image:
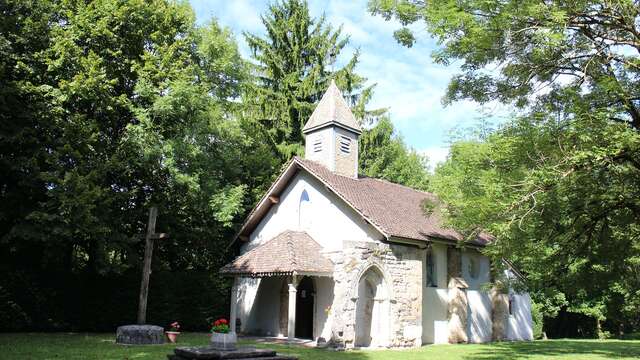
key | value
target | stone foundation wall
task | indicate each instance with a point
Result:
(401, 267)
(499, 314)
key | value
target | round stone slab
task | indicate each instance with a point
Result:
(140, 335)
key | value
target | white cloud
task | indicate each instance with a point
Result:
(436, 155)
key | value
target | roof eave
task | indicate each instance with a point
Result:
(408, 241)
(331, 123)
(265, 204)
(435, 239)
(276, 273)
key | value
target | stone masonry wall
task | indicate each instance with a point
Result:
(346, 164)
(401, 267)
(499, 314)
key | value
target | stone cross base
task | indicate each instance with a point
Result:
(209, 353)
(140, 335)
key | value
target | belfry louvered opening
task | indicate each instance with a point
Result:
(317, 144)
(345, 144)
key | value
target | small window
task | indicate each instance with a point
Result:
(345, 144)
(432, 281)
(473, 268)
(511, 304)
(317, 144)
(304, 216)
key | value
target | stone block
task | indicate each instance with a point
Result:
(140, 335)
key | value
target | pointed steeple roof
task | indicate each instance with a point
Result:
(332, 110)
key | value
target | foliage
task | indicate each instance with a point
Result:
(53, 302)
(108, 108)
(558, 185)
(384, 155)
(294, 64)
(538, 320)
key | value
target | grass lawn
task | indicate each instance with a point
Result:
(102, 346)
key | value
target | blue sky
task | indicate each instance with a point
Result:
(408, 82)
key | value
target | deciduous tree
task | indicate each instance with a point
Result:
(559, 184)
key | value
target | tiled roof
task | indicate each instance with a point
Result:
(332, 110)
(291, 252)
(394, 209)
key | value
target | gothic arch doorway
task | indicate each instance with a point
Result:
(305, 301)
(372, 310)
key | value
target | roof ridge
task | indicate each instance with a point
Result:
(291, 249)
(369, 177)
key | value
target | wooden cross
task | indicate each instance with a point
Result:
(146, 268)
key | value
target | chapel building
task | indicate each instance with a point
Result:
(344, 259)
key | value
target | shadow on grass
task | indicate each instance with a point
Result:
(308, 353)
(613, 349)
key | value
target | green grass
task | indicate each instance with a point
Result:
(102, 346)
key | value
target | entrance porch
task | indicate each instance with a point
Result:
(282, 288)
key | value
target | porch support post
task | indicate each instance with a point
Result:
(234, 305)
(291, 328)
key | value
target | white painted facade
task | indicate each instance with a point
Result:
(520, 324)
(325, 217)
(435, 300)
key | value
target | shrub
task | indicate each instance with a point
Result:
(538, 320)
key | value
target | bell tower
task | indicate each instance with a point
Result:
(331, 134)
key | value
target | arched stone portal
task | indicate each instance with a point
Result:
(372, 310)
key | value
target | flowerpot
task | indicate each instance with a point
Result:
(224, 341)
(172, 335)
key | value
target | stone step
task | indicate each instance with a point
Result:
(209, 353)
(277, 357)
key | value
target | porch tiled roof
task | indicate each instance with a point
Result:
(291, 252)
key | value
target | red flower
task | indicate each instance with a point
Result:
(223, 321)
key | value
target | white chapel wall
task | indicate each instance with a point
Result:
(520, 323)
(323, 301)
(479, 323)
(476, 271)
(327, 219)
(435, 300)
(259, 305)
